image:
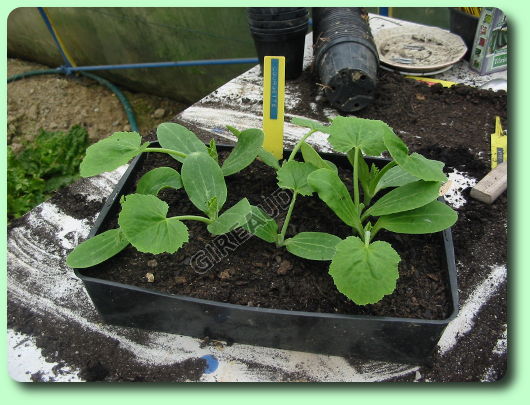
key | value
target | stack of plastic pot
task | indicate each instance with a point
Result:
(345, 56)
(465, 25)
(280, 31)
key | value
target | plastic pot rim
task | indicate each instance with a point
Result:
(272, 10)
(321, 50)
(280, 37)
(279, 24)
(277, 17)
(461, 13)
(274, 31)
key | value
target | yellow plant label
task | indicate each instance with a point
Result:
(499, 145)
(273, 104)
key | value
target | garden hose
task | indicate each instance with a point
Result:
(121, 97)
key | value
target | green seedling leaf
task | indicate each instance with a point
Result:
(234, 131)
(212, 150)
(176, 137)
(293, 176)
(157, 179)
(313, 245)
(203, 180)
(213, 208)
(433, 217)
(334, 193)
(97, 249)
(415, 164)
(247, 148)
(347, 133)
(363, 170)
(234, 217)
(375, 173)
(394, 177)
(268, 158)
(304, 122)
(331, 166)
(367, 175)
(312, 157)
(364, 273)
(432, 169)
(111, 153)
(261, 225)
(144, 223)
(405, 198)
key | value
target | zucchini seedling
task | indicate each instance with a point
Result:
(292, 175)
(363, 269)
(143, 220)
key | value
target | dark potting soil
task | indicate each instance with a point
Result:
(95, 354)
(448, 117)
(240, 269)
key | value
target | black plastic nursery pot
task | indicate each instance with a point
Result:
(348, 69)
(278, 25)
(346, 57)
(290, 45)
(302, 26)
(280, 31)
(406, 340)
(275, 13)
(275, 21)
(465, 25)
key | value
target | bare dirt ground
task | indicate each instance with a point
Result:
(56, 103)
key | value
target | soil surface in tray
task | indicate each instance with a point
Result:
(244, 270)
